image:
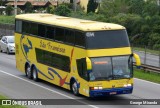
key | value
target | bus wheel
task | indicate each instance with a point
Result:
(35, 74)
(75, 88)
(28, 71)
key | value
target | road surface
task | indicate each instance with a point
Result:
(15, 85)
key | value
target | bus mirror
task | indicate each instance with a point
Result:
(89, 65)
(137, 59)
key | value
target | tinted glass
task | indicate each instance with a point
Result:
(52, 59)
(121, 67)
(50, 32)
(41, 30)
(25, 27)
(107, 39)
(108, 68)
(101, 68)
(70, 37)
(60, 35)
(79, 39)
(82, 68)
(33, 29)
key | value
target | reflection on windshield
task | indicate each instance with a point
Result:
(11, 40)
(107, 68)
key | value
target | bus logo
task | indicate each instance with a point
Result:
(90, 34)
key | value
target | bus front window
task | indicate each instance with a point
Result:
(108, 68)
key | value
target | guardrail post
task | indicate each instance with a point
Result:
(145, 54)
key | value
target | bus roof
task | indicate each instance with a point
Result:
(73, 23)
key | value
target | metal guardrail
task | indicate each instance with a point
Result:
(150, 68)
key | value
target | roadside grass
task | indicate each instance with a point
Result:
(7, 19)
(156, 52)
(9, 106)
(149, 76)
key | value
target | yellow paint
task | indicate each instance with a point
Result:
(89, 64)
(137, 58)
(70, 22)
(109, 52)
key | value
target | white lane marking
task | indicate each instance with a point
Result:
(147, 81)
(47, 88)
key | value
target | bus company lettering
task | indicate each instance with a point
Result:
(51, 47)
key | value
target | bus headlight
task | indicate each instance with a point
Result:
(127, 85)
(96, 88)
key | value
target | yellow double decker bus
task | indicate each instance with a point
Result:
(87, 57)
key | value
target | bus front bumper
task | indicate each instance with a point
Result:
(109, 92)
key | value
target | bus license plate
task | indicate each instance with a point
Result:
(113, 93)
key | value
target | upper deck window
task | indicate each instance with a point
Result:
(107, 39)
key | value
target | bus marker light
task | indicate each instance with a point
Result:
(129, 85)
(100, 88)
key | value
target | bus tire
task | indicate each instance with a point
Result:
(35, 74)
(75, 89)
(28, 71)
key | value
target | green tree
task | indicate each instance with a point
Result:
(136, 6)
(50, 9)
(63, 10)
(92, 6)
(28, 8)
(113, 7)
(9, 10)
(151, 8)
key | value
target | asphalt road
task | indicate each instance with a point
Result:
(15, 85)
(150, 59)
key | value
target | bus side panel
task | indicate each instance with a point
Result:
(20, 59)
(79, 53)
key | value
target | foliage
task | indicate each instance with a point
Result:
(63, 10)
(92, 6)
(9, 10)
(7, 19)
(50, 9)
(29, 8)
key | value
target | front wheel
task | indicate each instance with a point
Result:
(35, 74)
(75, 89)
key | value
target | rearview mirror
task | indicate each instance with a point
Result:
(137, 60)
(89, 65)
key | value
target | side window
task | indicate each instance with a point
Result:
(59, 35)
(79, 39)
(41, 30)
(70, 37)
(18, 26)
(25, 27)
(82, 68)
(33, 29)
(48, 58)
(52, 59)
(40, 55)
(50, 32)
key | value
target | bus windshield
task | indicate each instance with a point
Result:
(107, 39)
(108, 68)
